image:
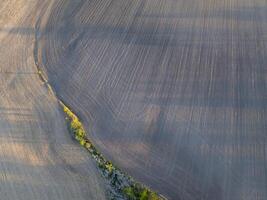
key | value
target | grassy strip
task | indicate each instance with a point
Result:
(122, 184)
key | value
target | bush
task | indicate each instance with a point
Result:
(82, 142)
(138, 192)
(128, 191)
(88, 145)
(144, 195)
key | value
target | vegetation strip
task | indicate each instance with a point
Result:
(121, 186)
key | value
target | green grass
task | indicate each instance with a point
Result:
(138, 192)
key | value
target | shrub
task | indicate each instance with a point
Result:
(82, 142)
(88, 145)
(128, 191)
(144, 195)
(138, 192)
(109, 167)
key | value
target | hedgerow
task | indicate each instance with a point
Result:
(123, 184)
(125, 187)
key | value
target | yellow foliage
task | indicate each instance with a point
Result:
(75, 124)
(109, 167)
(82, 142)
(88, 145)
